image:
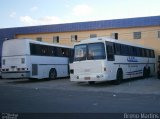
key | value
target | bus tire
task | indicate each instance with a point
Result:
(31, 79)
(144, 72)
(119, 77)
(91, 82)
(52, 74)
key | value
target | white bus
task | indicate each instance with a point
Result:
(26, 58)
(104, 59)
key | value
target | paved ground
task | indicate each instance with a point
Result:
(132, 86)
(63, 96)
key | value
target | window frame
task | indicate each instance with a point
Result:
(93, 35)
(39, 39)
(74, 38)
(114, 36)
(137, 35)
(110, 47)
(55, 39)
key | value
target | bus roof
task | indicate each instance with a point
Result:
(103, 39)
(37, 42)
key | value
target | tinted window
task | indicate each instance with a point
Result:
(52, 51)
(110, 51)
(44, 50)
(123, 50)
(152, 54)
(117, 49)
(35, 49)
(66, 52)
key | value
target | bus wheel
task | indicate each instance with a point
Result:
(119, 77)
(52, 74)
(32, 79)
(91, 82)
(144, 72)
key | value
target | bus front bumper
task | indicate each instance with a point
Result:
(14, 75)
(89, 77)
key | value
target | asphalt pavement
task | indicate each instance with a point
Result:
(63, 96)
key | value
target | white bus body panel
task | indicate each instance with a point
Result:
(12, 64)
(34, 66)
(43, 68)
(88, 70)
(103, 70)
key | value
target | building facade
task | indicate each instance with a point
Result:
(142, 30)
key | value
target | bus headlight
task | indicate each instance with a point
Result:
(22, 69)
(99, 76)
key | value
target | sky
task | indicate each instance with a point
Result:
(19, 13)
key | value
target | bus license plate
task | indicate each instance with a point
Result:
(87, 78)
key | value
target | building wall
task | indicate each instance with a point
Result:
(149, 36)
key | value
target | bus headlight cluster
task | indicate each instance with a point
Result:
(3, 70)
(99, 76)
(22, 69)
(18, 69)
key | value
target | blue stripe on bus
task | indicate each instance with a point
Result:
(134, 72)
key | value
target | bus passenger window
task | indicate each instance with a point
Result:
(117, 49)
(110, 51)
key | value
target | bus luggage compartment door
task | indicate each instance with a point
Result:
(34, 69)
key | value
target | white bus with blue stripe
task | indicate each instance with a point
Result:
(26, 58)
(104, 59)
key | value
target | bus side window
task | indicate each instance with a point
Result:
(152, 54)
(71, 55)
(59, 52)
(44, 50)
(51, 51)
(143, 52)
(110, 51)
(140, 52)
(134, 51)
(65, 52)
(117, 48)
(34, 49)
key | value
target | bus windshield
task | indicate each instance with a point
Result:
(93, 51)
